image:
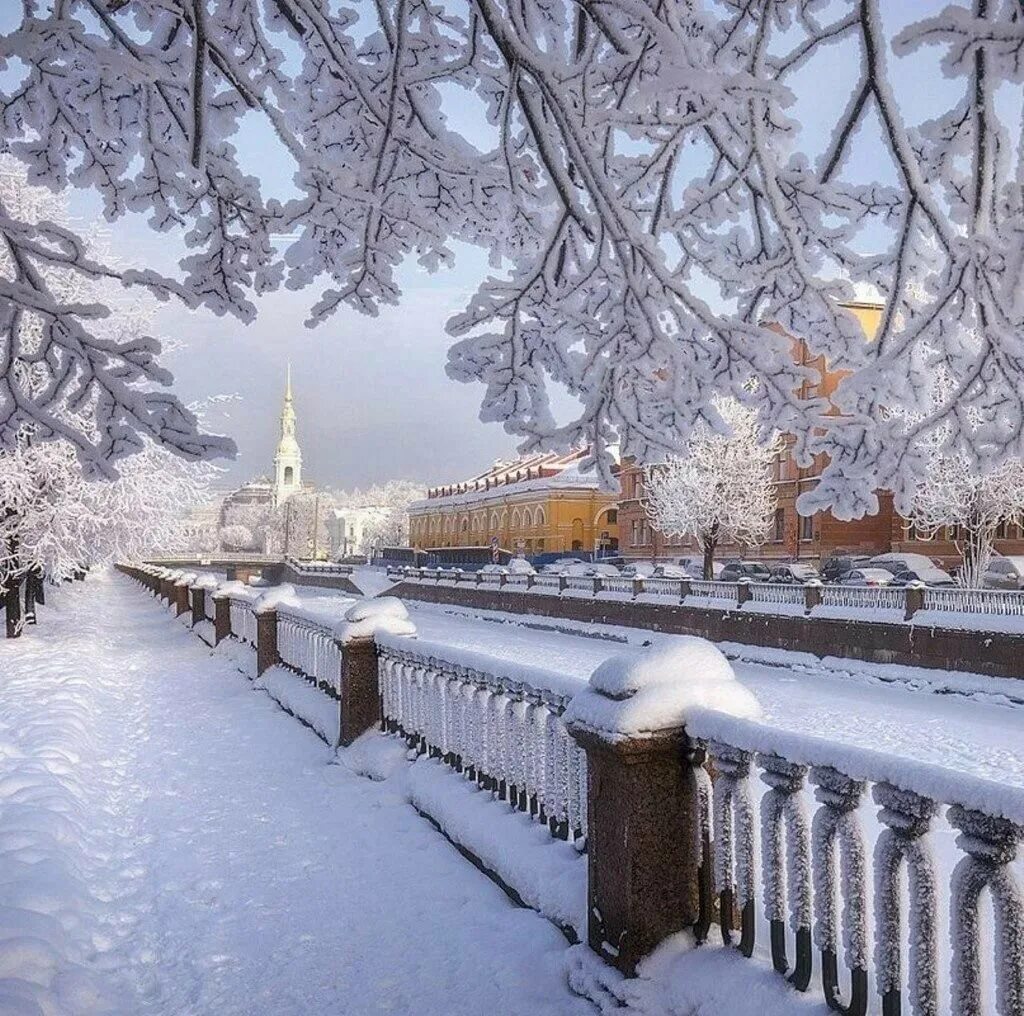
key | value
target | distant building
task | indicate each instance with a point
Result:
(795, 536)
(254, 504)
(536, 504)
(352, 530)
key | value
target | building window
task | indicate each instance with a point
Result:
(613, 516)
(289, 473)
(633, 533)
(806, 527)
(780, 525)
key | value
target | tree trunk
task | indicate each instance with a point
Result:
(30, 598)
(977, 551)
(708, 544)
(12, 608)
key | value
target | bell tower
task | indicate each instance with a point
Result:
(288, 458)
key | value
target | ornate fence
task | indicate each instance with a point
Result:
(503, 733)
(243, 620)
(310, 648)
(809, 878)
(854, 599)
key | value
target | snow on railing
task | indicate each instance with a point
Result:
(497, 728)
(617, 584)
(770, 592)
(317, 567)
(580, 583)
(665, 587)
(243, 620)
(310, 648)
(712, 589)
(792, 867)
(975, 601)
(864, 597)
(547, 582)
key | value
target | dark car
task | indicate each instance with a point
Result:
(840, 564)
(928, 576)
(796, 574)
(752, 571)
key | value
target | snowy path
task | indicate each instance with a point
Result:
(173, 843)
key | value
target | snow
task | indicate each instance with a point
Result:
(175, 843)
(645, 692)
(304, 701)
(372, 616)
(550, 875)
(276, 596)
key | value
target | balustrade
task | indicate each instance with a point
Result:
(500, 732)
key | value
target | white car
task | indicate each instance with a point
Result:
(1004, 573)
(638, 569)
(866, 577)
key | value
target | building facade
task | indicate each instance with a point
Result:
(793, 536)
(535, 505)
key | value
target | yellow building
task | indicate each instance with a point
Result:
(538, 504)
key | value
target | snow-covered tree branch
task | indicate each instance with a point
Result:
(76, 362)
(720, 490)
(637, 164)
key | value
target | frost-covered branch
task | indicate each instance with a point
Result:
(635, 165)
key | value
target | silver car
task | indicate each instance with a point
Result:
(1004, 573)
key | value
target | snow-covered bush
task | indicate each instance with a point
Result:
(720, 489)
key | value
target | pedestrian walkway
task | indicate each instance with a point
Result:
(172, 842)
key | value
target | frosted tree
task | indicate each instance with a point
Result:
(720, 490)
(237, 537)
(636, 168)
(389, 527)
(955, 493)
(298, 527)
(76, 363)
(54, 520)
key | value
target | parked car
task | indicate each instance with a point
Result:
(929, 576)
(638, 568)
(896, 563)
(1004, 573)
(671, 571)
(494, 569)
(694, 567)
(839, 564)
(520, 566)
(866, 577)
(798, 573)
(752, 571)
(606, 571)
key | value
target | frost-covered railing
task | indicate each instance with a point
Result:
(243, 619)
(975, 601)
(318, 567)
(864, 597)
(499, 724)
(778, 594)
(712, 589)
(309, 647)
(830, 897)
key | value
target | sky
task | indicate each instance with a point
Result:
(372, 397)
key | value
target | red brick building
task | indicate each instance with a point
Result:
(796, 537)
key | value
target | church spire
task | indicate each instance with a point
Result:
(288, 459)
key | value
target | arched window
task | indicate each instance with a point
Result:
(494, 520)
(539, 518)
(465, 524)
(516, 520)
(289, 474)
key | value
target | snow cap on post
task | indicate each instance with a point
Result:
(642, 694)
(185, 578)
(278, 596)
(384, 614)
(206, 582)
